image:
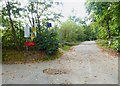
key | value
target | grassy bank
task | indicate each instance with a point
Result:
(20, 57)
(106, 48)
(65, 47)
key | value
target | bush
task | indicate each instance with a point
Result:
(8, 40)
(114, 44)
(47, 41)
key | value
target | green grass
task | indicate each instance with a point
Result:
(102, 43)
(105, 48)
(66, 47)
(52, 57)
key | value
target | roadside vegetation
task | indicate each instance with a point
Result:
(105, 21)
(36, 14)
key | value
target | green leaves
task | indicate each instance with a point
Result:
(72, 31)
(48, 42)
(106, 16)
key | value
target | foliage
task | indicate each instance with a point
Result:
(72, 31)
(13, 30)
(106, 17)
(7, 38)
(68, 30)
(48, 42)
(65, 47)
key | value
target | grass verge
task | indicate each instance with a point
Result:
(22, 57)
(105, 48)
(65, 47)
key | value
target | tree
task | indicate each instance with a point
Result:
(105, 15)
(72, 31)
(10, 12)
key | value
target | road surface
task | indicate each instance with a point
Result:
(83, 64)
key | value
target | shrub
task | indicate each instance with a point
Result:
(47, 41)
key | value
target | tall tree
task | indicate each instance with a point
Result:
(106, 16)
(10, 11)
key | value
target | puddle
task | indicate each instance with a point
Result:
(55, 71)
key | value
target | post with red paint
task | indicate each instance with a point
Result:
(26, 34)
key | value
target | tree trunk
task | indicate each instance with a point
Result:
(12, 25)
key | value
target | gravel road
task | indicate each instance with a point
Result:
(82, 64)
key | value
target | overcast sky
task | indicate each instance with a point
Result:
(76, 5)
(68, 6)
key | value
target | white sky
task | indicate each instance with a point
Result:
(77, 5)
(68, 6)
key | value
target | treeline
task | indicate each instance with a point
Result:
(75, 31)
(105, 18)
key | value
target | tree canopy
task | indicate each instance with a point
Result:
(105, 17)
